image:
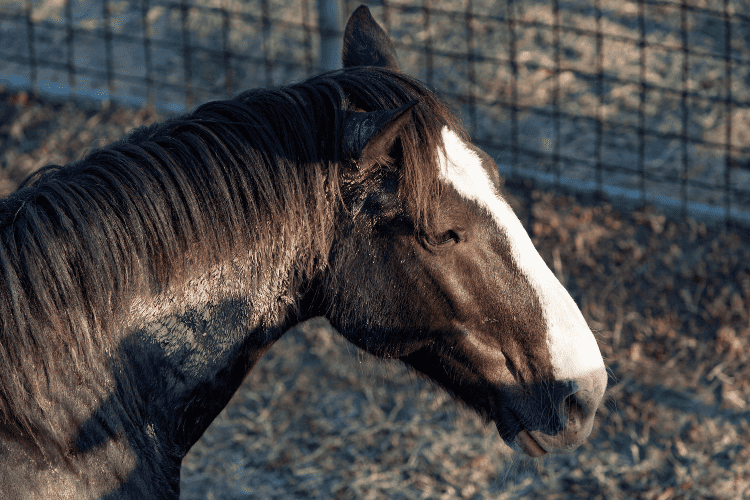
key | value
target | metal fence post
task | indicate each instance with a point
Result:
(329, 24)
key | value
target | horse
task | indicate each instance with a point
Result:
(140, 284)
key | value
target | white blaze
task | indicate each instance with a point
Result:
(573, 349)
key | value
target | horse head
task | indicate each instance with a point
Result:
(460, 294)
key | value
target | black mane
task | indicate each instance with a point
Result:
(260, 171)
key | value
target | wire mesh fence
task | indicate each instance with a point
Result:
(172, 54)
(643, 100)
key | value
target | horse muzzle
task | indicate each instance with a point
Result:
(578, 425)
(559, 418)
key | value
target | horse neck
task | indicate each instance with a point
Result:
(170, 354)
(191, 346)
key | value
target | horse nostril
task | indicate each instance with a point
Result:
(574, 411)
(573, 405)
(578, 411)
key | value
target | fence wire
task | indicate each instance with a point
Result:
(647, 100)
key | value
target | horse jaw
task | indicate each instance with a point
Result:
(573, 349)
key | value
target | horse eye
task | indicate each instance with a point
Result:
(447, 238)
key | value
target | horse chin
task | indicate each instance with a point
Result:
(537, 444)
(526, 442)
(523, 441)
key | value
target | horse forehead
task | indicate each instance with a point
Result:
(463, 168)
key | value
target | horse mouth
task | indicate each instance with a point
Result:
(529, 445)
(523, 440)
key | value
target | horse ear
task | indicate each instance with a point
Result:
(366, 44)
(370, 135)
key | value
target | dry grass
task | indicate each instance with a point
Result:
(317, 419)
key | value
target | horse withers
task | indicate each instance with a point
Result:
(139, 285)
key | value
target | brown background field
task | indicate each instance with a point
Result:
(668, 301)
